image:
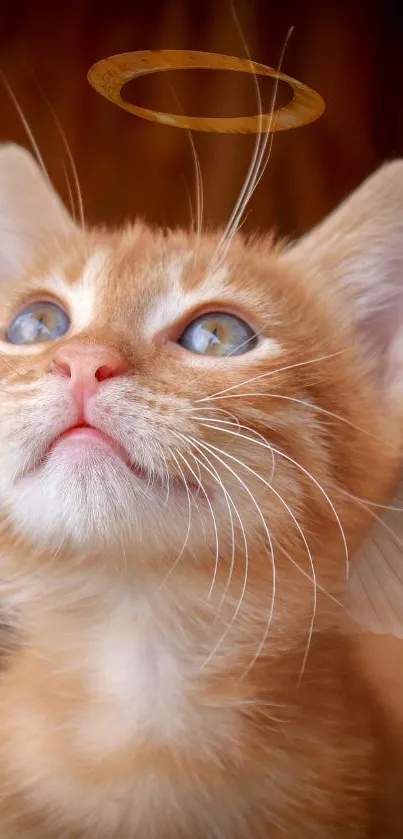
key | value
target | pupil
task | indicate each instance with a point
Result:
(214, 337)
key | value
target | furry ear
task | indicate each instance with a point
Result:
(30, 211)
(355, 259)
(356, 255)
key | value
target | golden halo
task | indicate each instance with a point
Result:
(111, 74)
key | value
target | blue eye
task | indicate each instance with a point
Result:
(39, 322)
(219, 334)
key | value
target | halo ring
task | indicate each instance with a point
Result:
(109, 76)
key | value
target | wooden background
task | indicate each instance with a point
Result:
(352, 53)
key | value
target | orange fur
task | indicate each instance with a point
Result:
(138, 700)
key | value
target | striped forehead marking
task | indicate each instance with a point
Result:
(175, 299)
(81, 295)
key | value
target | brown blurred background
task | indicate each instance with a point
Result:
(352, 53)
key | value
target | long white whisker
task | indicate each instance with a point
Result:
(243, 590)
(192, 221)
(198, 173)
(211, 367)
(268, 373)
(70, 191)
(199, 189)
(213, 472)
(70, 157)
(257, 157)
(73, 170)
(168, 482)
(213, 409)
(301, 532)
(182, 437)
(260, 442)
(319, 487)
(368, 504)
(211, 469)
(325, 495)
(306, 404)
(229, 502)
(254, 164)
(27, 127)
(183, 548)
(259, 166)
(211, 451)
(376, 518)
(200, 487)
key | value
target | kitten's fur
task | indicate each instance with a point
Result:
(152, 686)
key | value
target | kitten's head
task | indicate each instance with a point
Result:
(164, 394)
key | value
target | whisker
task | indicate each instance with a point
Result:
(376, 518)
(254, 164)
(260, 165)
(286, 367)
(213, 518)
(26, 126)
(192, 221)
(255, 168)
(200, 488)
(211, 409)
(211, 451)
(68, 151)
(311, 478)
(325, 495)
(197, 170)
(70, 191)
(212, 367)
(183, 548)
(213, 472)
(367, 503)
(199, 189)
(168, 490)
(301, 532)
(265, 445)
(259, 442)
(303, 402)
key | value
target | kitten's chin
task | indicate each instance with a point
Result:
(87, 498)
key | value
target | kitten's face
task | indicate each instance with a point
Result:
(224, 401)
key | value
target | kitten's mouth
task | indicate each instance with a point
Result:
(87, 436)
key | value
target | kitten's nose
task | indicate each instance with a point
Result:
(87, 366)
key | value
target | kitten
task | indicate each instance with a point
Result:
(185, 424)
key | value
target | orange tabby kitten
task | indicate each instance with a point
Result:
(183, 423)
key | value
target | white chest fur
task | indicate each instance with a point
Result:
(134, 678)
(116, 726)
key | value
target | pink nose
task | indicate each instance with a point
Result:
(87, 366)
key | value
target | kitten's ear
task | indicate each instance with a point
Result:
(357, 255)
(31, 212)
